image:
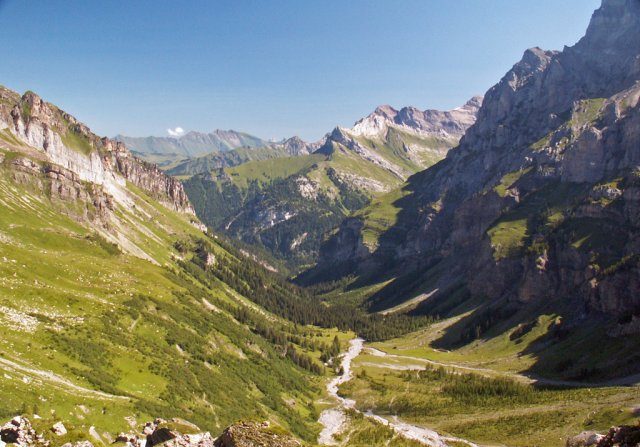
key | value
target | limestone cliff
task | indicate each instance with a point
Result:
(95, 181)
(68, 143)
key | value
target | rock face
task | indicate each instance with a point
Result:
(540, 200)
(95, 181)
(66, 142)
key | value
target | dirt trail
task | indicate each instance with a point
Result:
(632, 380)
(56, 380)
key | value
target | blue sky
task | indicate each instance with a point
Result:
(273, 68)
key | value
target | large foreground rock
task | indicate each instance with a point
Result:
(250, 434)
(20, 432)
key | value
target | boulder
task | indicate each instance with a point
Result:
(59, 429)
(20, 432)
(176, 433)
(250, 434)
(130, 440)
(585, 439)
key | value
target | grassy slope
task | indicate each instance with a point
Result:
(91, 335)
(265, 171)
(379, 216)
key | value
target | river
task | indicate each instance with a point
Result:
(334, 419)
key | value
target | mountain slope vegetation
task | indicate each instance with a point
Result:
(112, 302)
(118, 306)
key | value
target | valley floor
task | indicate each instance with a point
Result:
(478, 393)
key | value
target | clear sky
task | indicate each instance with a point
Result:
(273, 68)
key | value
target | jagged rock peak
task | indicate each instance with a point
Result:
(296, 146)
(451, 123)
(474, 103)
(386, 111)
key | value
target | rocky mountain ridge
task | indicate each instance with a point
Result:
(537, 204)
(416, 137)
(70, 144)
(450, 124)
(48, 151)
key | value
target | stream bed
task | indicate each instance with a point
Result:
(334, 419)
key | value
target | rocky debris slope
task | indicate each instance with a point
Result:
(64, 141)
(20, 432)
(539, 202)
(173, 433)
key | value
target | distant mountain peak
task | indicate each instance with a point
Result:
(453, 123)
(386, 111)
(473, 104)
(193, 143)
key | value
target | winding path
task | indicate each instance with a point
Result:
(631, 380)
(334, 419)
(55, 380)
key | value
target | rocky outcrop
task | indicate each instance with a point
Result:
(250, 434)
(622, 436)
(172, 433)
(19, 431)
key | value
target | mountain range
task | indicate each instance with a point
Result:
(192, 144)
(469, 277)
(285, 205)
